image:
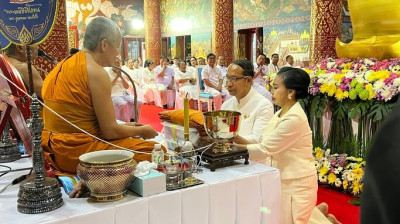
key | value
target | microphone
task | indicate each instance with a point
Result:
(73, 51)
(42, 54)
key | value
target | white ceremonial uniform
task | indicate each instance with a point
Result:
(273, 69)
(260, 79)
(256, 111)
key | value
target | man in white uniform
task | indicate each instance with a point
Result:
(212, 78)
(273, 67)
(256, 110)
(221, 66)
(165, 77)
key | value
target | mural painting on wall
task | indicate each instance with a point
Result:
(248, 11)
(293, 39)
(80, 12)
(201, 45)
(347, 28)
(180, 17)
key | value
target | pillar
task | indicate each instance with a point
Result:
(56, 45)
(222, 35)
(326, 26)
(152, 30)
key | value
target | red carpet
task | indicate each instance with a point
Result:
(338, 202)
(339, 205)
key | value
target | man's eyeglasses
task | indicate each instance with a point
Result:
(235, 79)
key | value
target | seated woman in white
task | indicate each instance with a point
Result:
(153, 93)
(136, 74)
(187, 83)
(123, 101)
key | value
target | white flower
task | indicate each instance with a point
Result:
(338, 182)
(396, 81)
(378, 85)
(322, 179)
(361, 77)
(363, 68)
(317, 165)
(349, 74)
(394, 68)
(386, 94)
(327, 152)
(338, 170)
(330, 65)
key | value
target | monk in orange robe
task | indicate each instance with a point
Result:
(79, 89)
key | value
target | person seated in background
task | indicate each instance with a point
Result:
(273, 67)
(79, 89)
(260, 71)
(187, 83)
(289, 61)
(256, 110)
(212, 78)
(122, 100)
(140, 62)
(201, 61)
(165, 77)
(175, 63)
(16, 55)
(193, 65)
(153, 92)
(221, 66)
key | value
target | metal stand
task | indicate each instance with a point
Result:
(222, 159)
(9, 151)
(43, 193)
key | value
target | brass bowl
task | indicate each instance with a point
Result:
(107, 173)
(221, 125)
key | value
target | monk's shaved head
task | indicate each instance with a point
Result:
(98, 29)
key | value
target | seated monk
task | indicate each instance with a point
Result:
(79, 89)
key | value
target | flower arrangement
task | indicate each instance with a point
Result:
(340, 171)
(364, 79)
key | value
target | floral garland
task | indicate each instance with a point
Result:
(340, 171)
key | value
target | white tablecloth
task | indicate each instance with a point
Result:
(235, 194)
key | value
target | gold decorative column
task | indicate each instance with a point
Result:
(56, 45)
(152, 30)
(222, 35)
(326, 26)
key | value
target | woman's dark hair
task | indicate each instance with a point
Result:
(148, 62)
(296, 79)
(246, 65)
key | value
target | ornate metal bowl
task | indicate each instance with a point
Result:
(221, 125)
(107, 173)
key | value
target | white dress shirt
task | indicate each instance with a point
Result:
(167, 78)
(260, 78)
(256, 111)
(223, 70)
(273, 68)
(287, 145)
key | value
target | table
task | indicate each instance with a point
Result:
(235, 194)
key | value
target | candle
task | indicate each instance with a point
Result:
(186, 118)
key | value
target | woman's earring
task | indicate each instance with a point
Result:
(290, 97)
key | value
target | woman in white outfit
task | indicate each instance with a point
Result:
(187, 83)
(287, 145)
(152, 92)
